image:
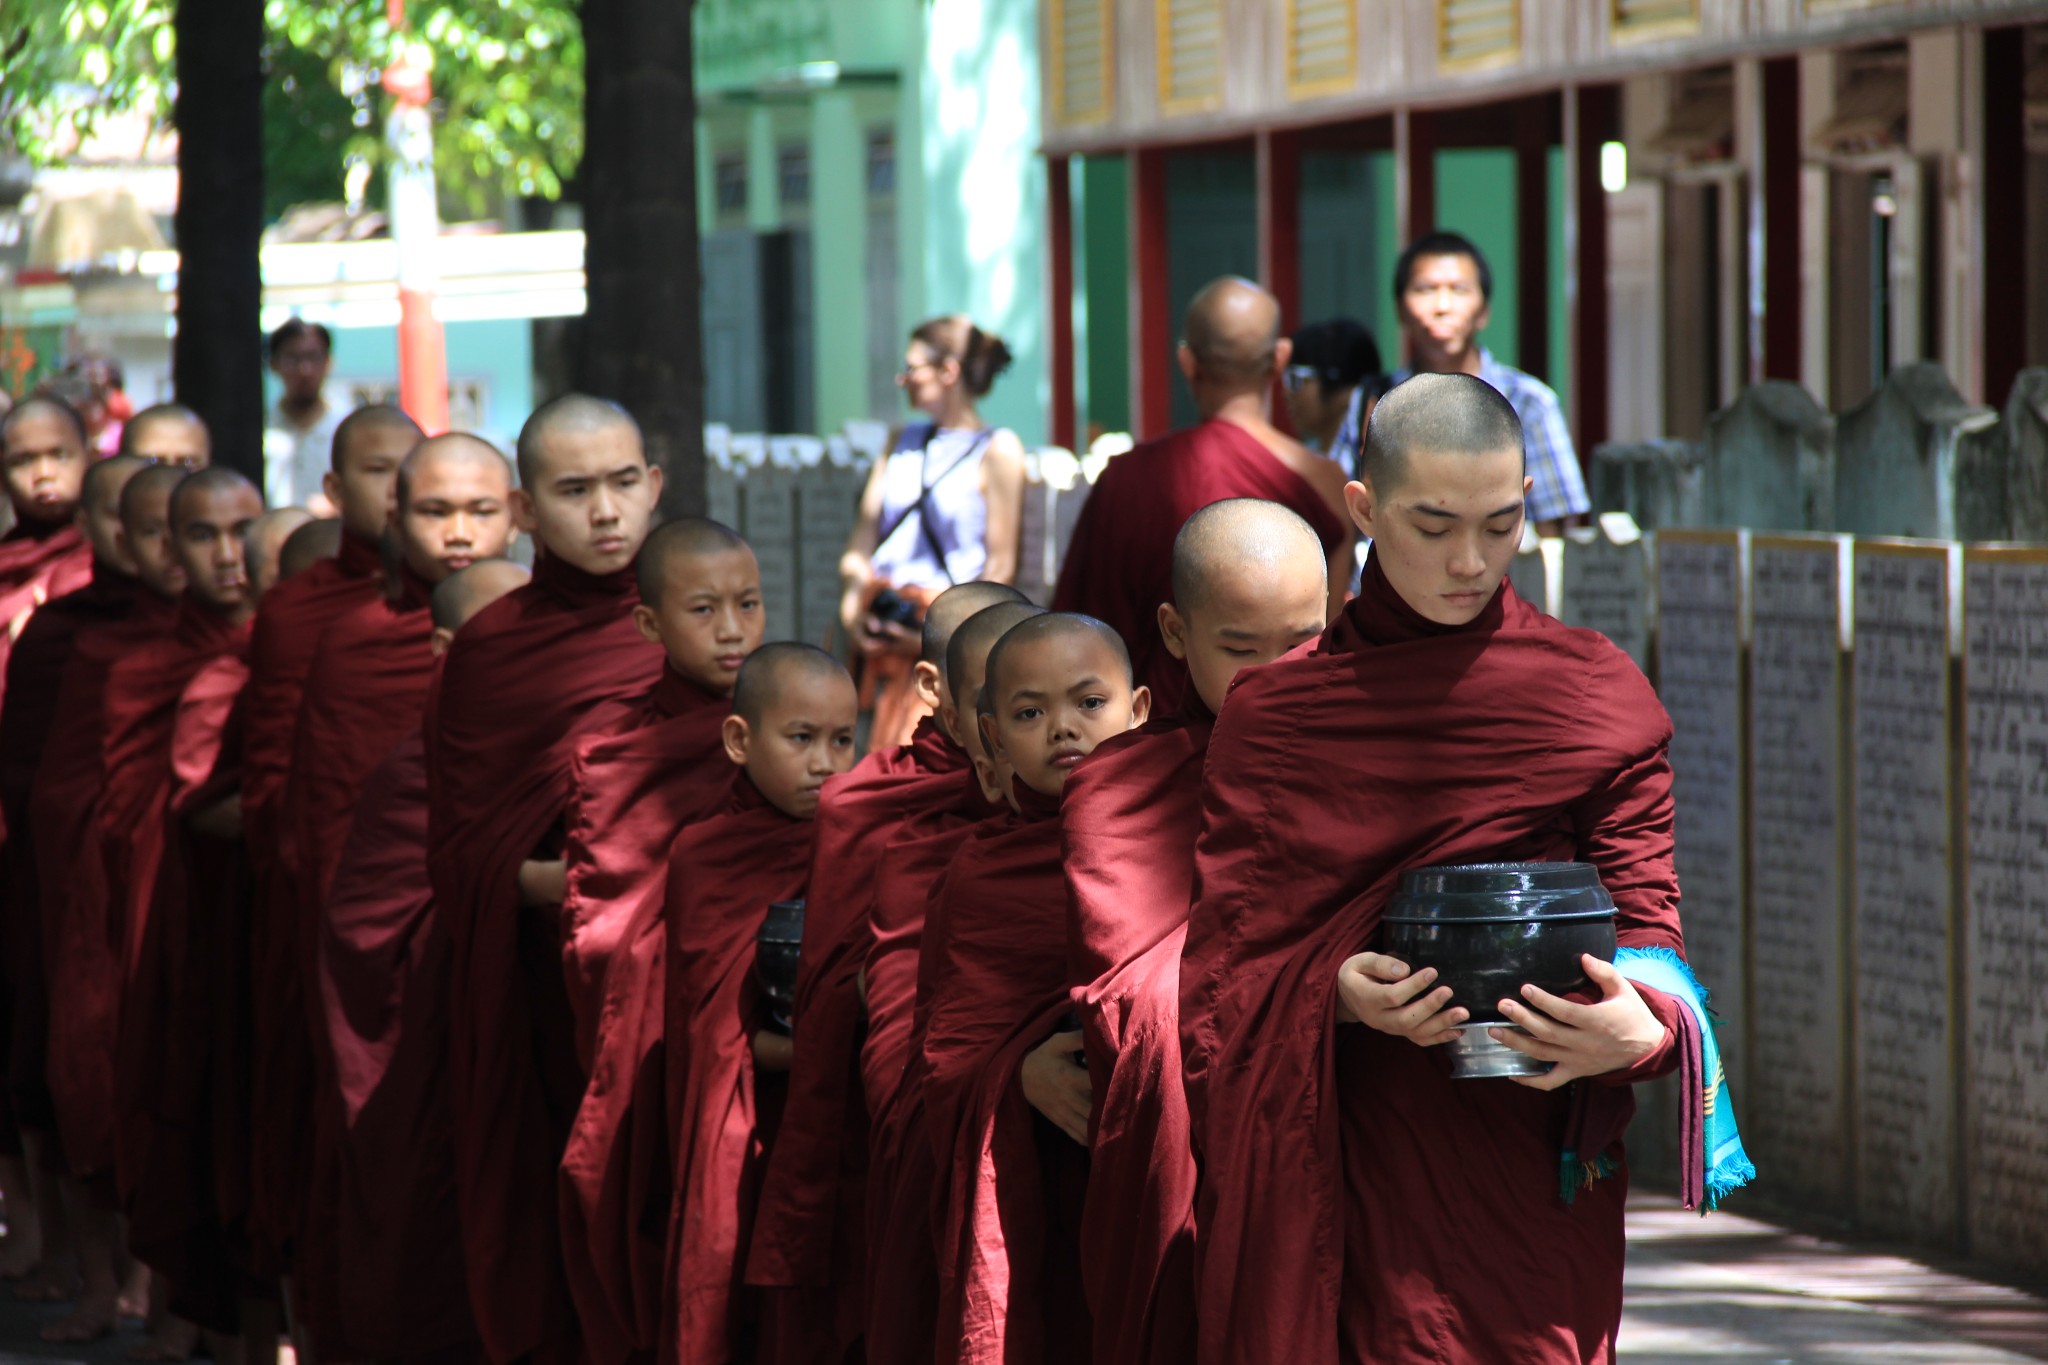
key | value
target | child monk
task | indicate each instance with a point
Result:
(1250, 582)
(642, 772)
(1356, 1203)
(368, 444)
(792, 728)
(264, 546)
(383, 975)
(810, 1232)
(516, 684)
(995, 1044)
(168, 434)
(903, 1270)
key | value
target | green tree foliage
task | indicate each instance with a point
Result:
(507, 75)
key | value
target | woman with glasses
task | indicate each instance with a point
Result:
(944, 507)
(1330, 384)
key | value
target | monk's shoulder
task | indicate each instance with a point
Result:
(1598, 691)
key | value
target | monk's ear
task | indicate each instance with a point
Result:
(439, 641)
(522, 511)
(735, 734)
(1173, 629)
(654, 482)
(990, 736)
(1141, 706)
(991, 785)
(647, 623)
(1283, 351)
(1360, 502)
(330, 484)
(1184, 357)
(931, 688)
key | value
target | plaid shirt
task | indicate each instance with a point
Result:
(1559, 490)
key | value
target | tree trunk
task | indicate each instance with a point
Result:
(643, 339)
(217, 359)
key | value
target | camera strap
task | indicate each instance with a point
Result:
(925, 486)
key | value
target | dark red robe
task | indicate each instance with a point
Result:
(383, 979)
(294, 616)
(1119, 565)
(81, 931)
(810, 1234)
(723, 876)
(1129, 818)
(35, 674)
(1356, 1203)
(1007, 1214)
(519, 679)
(903, 1277)
(637, 778)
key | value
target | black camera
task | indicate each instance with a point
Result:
(890, 606)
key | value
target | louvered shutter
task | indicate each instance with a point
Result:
(1190, 54)
(1478, 32)
(1322, 46)
(1084, 57)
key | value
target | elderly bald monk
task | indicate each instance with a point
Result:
(1117, 565)
(383, 975)
(1470, 1220)
(263, 547)
(1249, 584)
(368, 445)
(514, 687)
(810, 1236)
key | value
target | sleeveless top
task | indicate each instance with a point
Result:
(947, 462)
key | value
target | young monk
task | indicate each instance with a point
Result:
(995, 1046)
(368, 446)
(810, 1233)
(1249, 584)
(515, 685)
(1232, 353)
(790, 731)
(317, 540)
(1357, 1204)
(641, 774)
(902, 1293)
(168, 434)
(180, 1078)
(264, 547)
(383, 975)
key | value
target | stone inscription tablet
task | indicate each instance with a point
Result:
(1797, 1081)
(768, 496)
(1606, 587)
(1902, 866)
(1699, 671)
(2005, 615)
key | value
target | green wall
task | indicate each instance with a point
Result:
(1102, 306)
(1475, 196)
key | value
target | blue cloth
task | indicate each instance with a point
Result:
(1728, 1167)
(1559, 490)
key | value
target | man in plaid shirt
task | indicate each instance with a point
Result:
(1442, 287)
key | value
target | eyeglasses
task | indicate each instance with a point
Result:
(1294, 376)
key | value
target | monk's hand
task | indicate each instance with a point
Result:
(1056, 1083)
(773, 1051)
(1612, 1034)
(1381, 993)
(543, 883)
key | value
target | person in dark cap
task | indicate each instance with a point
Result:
(1331, 382)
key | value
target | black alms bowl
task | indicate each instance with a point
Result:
(1491, 928)
(775, 954)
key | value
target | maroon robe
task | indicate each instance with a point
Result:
(35, 674)
(518, 680)
(1119, 565)
(723, 876)
(295, 614)
(1007, 1213)
(902, 1288)
(383, 980)
(637, 779)
(81, 933)
(1129, 819)
(1356, 1203)
(809, 1238)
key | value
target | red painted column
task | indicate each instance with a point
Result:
(1782, 152)
(1278, 157)
(1532, 234)
(1415, 171)
(1059, 207)
(1598, 121)
(1151, 309)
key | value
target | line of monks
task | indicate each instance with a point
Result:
(383, 925)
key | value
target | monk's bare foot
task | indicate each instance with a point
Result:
(134, 1299)
(48, 1284)
(170, 1341)
(90, 1321)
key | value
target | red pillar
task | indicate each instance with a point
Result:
(1151, 309)
(1059, 207)
(2003, 308)
(1415, 171)
(1598, 120)
(1782, 151)
(1533, 121)
(1278, 155)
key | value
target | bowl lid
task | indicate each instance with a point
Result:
(1495, 891)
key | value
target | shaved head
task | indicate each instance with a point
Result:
(1224, 540)
(952, 607)
(105, 481)
(1438, 414)
(672, 541)
(772, 669)
(456, 447)
(152, 480)
(573, 414)
(967, 651)
(44, 405)
(374, 419)
(308, 545)
(263, 545)
(1053, 625)
(1233, 329)
(199, 483)
(168, 433)
(464, 593)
